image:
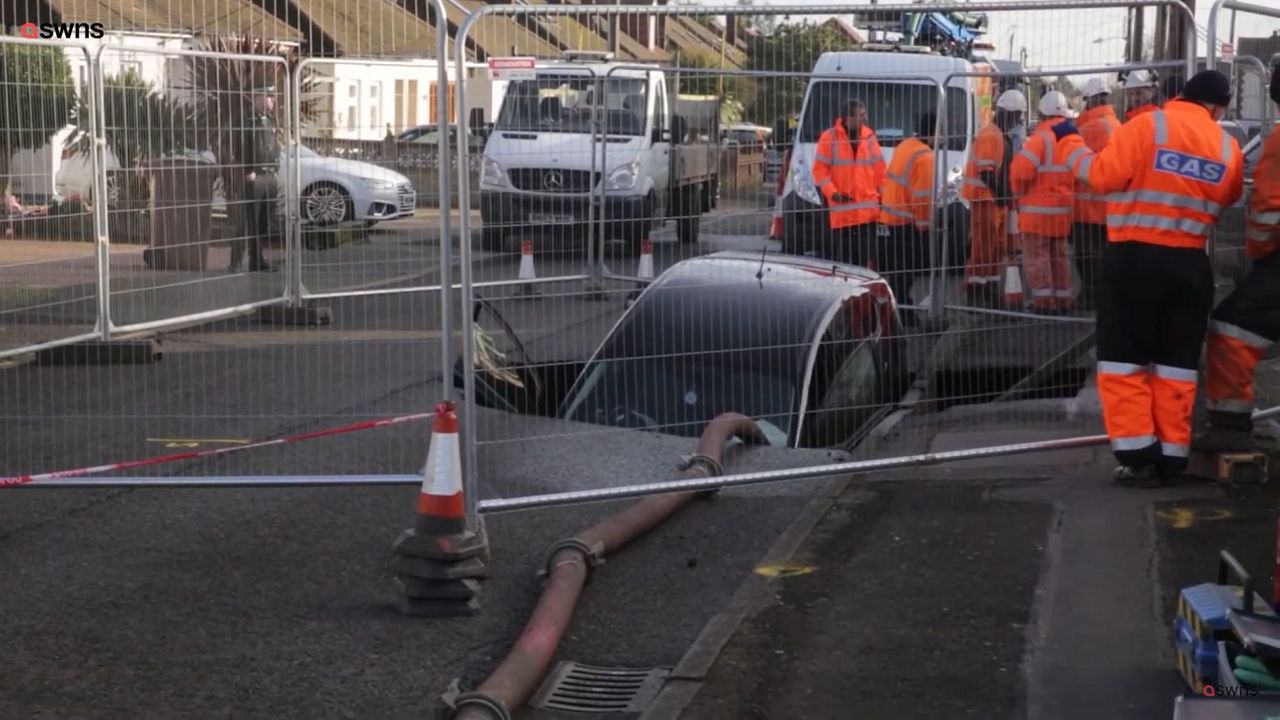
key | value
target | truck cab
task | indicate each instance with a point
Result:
(894, 101)
(592, 139)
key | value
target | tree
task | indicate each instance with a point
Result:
(790, 50)
(141, 122)
(37, 99)
(735, 91)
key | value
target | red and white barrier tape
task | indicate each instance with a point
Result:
(198, 454)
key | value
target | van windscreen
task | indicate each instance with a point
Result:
(893, 109)
(564, 104)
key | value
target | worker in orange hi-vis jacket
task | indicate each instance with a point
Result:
(1247, 322)
(849, 169)
(906, 210)
(1139, 94)
(1168, 175)
(986, 187)
(1046, 191)
(1089, 231)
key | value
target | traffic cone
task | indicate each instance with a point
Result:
(1012, 285)
(439, 561)
(527, 271)
(645, 270)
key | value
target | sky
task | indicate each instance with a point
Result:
(1073, 38)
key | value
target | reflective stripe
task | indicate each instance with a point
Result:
(1076, 155)
(1175, 449)
(1226, 147)
(1041, 210)
(856, 206)
(1154, 197)
(822, 158)
(1083, 173)
(922, 193)
(898, 213)
(841, 162)
(1137, 442)
(1236, 332)
(1055, 169)
(1266, 218)
(1261, 236)
(985, 163)
(1111, 367)
(1041, 293)
(1229, 406)
(1090, 197)
(1047, 142)
(825, 182)
(898, 179)
(1169, 372)
(1035, 161)
(982, 280)
(1064, 294)
(1158, 222)
(1162, 128)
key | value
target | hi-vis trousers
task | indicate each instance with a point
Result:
(1241, 329)
(1153, 310)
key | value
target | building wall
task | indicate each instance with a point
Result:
(368, 100)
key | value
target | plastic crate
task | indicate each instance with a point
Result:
(1201, 623)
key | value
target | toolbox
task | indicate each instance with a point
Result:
(1213, 613)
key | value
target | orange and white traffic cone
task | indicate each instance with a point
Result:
(1011, 283)
(439, 561)
(645, 269)
(527, 271)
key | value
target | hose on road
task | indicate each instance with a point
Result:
(569, 568)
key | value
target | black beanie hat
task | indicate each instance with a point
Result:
(1208, 86)
(1275, 84)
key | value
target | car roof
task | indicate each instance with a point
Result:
(732, 301)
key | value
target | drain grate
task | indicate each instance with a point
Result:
(574, 687)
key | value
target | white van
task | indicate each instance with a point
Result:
(894, 104)
(545, 164)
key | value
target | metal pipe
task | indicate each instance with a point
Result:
(470, 485)
(569, 569)
(442, 191)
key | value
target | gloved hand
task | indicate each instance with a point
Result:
(1065, 128)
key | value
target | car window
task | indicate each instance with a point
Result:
(893, 109)
(853, 388)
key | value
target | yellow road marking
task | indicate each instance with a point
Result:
(195, 442)
(784, 570)
(1183, 518)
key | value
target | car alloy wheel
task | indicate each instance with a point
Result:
(326, 205)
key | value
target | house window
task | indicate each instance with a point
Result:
(353, 118)
(353, 90)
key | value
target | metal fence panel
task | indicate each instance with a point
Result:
(49, 248)
(175, 183)
(738, 319)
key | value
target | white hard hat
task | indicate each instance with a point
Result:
(1054, 104)
(1095, 86)
(1138, 79)
(1012, 100)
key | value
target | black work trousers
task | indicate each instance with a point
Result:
(256, 206)
(1153, 312)
(855, 245)
(901, 254)
(1089, 241)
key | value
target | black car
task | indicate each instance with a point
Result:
(812, 351)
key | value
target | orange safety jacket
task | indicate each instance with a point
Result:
(1262, 228)
(858, 174)
(1141, 110)
(985, 156)
(1041, 177)
(1167, 175)
(908, 188)
(1096, 127)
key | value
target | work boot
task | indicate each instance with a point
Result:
(1139, 477)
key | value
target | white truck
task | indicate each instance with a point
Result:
(590, 138)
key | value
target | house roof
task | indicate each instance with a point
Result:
(370, 28)
(578, 32)
(498, 35)
(683, 34)
(215, 17)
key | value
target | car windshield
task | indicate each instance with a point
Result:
(680, 394)
(564, 104)
(893, 109)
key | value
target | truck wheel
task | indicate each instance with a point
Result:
(493, 239)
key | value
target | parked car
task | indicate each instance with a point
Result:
(812, 351)
(334, 190)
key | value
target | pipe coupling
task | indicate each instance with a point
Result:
(590, 557)
(478, 706)
(713, 466)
